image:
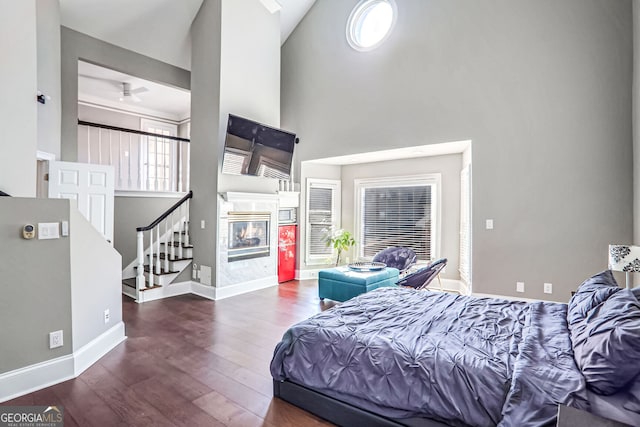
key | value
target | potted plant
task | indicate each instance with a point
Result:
(341, 240)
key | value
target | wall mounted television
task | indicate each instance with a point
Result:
(251, 148)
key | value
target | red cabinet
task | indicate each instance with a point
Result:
(286, 252)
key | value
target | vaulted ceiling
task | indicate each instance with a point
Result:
(155, 28)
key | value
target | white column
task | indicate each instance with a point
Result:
(158, 260)
(166, 244)
(186, 223)
(140, 272)
(150, 283)
(180, 228)
(173, 235)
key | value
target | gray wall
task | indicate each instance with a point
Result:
(18, 111)
(35, 297)
(636, 122)
(448, 166)
(75, 46)
(541, 88)
(96, 282)
(133, 212)
(48, 36)
(205, 131)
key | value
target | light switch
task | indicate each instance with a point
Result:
(65, 228)
(48, 230)
(489, 224)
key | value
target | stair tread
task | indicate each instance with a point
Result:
(177, 245)
(132, 284)
(163, 256)
(162, 271)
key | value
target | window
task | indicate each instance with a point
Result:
(370, 23)
(157, 155)
(397, 211)
(323, 209)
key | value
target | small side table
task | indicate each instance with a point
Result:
(572, 417)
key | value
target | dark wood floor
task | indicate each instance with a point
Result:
(190, 361)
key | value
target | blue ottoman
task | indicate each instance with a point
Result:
(342, 283)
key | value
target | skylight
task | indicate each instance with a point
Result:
(370, 23)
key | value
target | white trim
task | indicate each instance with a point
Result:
(204, 291)
(356, 15)
(43, 155)
(231, 196)
(174, 120)
(241, 288)
(308, 274)
(151, 194)
(50, 372)
(91, 352)
(166, 291)
(509, 298)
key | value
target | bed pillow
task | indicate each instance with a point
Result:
(606, 341)
(591, 293)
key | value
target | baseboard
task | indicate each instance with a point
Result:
(35, 377)
(166, 291)
(509, 297)
(307, 274)
(241, 288)
(90, 353)
(204, 291)
(450, 285)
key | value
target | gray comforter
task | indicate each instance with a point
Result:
(463, 360)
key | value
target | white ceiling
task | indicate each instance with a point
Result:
(156, 28)
(102, 86)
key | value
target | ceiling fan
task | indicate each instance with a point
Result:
(127, 93)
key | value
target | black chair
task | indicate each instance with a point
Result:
(421, 278)
(396, 257)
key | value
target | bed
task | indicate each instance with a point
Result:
(398, 356)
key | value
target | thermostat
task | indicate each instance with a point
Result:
(28, 231)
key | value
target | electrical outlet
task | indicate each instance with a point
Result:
(202, 224)
(548, 288)
(55, 339)
(489, 224)
(519, 286)
(107, 316)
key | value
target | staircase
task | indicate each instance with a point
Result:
(164, 251)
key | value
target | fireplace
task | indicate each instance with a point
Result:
(248, 235)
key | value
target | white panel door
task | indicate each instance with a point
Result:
(92, 186)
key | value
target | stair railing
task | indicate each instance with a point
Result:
(176, 220)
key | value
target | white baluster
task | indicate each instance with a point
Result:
(130, 155)
(99, 146)
(150, 284)
(145, 137)
(179, 165)
(120, 159)
(173, 247)
(188, 167)
(157, 187)
(140, 273)
(186, 223)
(158, 260)
(180, 228)
(166, 246)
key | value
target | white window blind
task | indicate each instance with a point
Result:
(465, 226)
(398, 211)
(323, 198)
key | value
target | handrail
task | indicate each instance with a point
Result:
(138, 132)
(167, 213)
